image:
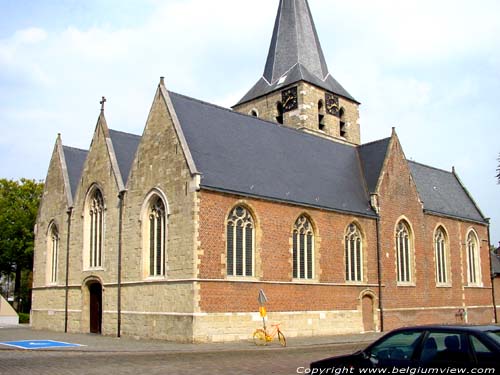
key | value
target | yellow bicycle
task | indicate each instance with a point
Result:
(262, 336)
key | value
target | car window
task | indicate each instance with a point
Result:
(495, 335)
(397, 347)
(483, 354)
(478, 346)
(445, 347)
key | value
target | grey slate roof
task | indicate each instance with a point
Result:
(125, 145)
(245, 155)
(372, 157)
(295, 54)
(442, 193)
(75, 158)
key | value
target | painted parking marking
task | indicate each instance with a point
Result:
(39, 344)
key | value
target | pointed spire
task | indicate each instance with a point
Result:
(294, 41)
(295, 54)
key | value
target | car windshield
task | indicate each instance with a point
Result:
(495, 335)
(399, 346)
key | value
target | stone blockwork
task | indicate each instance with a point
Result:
(166, 302)
(225, 327)
(306, 116)
(52, 211)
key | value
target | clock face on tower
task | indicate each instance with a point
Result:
(289, 99)
(332, 104)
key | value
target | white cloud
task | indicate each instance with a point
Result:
(31, 35)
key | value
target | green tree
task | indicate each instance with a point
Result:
(19, 201)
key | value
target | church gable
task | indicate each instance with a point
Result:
(100, 166)
(395, 187)
(161, 169)
(56, 199)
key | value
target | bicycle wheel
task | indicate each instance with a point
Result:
(281, 338)
(259, 337)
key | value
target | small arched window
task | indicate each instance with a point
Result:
(240, 242)
(441, 256)
(157, 228)
(353, 254)
(473, 264)
(96, 221)
(303, 249)
(343, 128)
(53, 252)
(404, 252)
(321, 115)
(279, 109)
(254, 113)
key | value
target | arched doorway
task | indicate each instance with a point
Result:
(367, 308)
(95, 291)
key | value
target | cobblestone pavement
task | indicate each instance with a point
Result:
(262, 361)
(110, 355)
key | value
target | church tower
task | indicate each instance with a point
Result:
(296, 88)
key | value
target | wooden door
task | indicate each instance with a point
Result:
(368, 321)
(95, 307)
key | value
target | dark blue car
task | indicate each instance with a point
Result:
(423, 347)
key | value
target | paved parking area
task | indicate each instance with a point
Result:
(110, 355)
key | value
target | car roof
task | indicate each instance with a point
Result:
(455, 327)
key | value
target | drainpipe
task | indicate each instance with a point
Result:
(492, 275)
(68, 236)
(120, 224)
(379, 275)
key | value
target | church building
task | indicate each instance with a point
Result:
(172, 234)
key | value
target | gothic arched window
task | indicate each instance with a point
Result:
(404, 252)
(240, 242)
(157, 228)
(303, 249)
(353, 254)
(96, 228)
(441, 256)
(53, 252)
(473, 265)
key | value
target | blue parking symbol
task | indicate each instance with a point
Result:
(39, 344)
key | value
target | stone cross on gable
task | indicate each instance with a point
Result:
(102, 103)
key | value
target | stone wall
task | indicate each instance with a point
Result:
(306, 115)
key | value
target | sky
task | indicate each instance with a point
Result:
(429, 68)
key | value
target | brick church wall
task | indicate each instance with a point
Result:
(317, 303)
(421, 301)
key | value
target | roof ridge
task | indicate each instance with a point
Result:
(127, 133)
(429, 166)
(376, 141)
(260, 120)
(224, 108)
(75, 148)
